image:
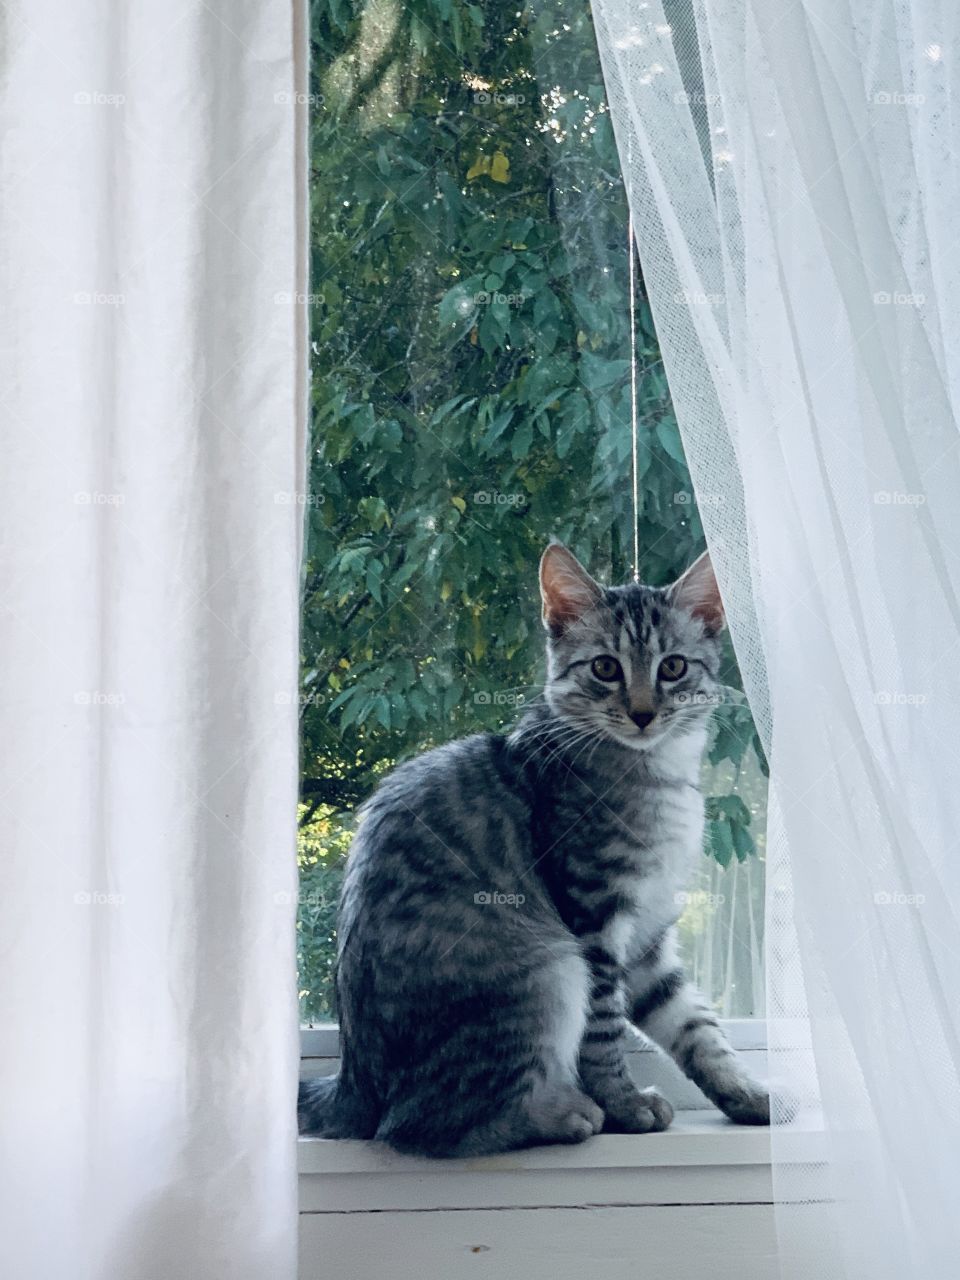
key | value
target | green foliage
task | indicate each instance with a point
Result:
(324, 843)
(471, 378)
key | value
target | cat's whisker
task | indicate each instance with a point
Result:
(592, 739)
(560, 745)
(568, 746)
(566, 740)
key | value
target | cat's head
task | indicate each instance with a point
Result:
(635, 662)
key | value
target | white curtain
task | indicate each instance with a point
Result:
(793, 168)
(152, 426)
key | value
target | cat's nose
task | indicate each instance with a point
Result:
(641, 718)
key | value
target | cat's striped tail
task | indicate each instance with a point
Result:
(329, 1109)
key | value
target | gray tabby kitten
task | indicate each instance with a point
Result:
(510, 901)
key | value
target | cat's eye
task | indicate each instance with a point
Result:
(606, 668)
(672, 667)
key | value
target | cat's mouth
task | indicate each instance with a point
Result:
(637, 739)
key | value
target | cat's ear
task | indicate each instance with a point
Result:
(697, 591)
(567, 590)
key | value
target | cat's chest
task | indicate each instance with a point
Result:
(649, 841)
(628, 868)
(648, 876)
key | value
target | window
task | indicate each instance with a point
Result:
(472, 399)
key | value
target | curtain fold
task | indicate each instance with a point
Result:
(792, 173)
(152, 423)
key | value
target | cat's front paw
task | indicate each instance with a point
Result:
(582, 1121)
(640, 1111)
(750, 1104)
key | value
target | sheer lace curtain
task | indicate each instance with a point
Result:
(793, 174)
(152, 426)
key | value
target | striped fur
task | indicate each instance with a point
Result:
(509, 903)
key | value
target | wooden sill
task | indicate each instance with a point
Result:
(701, 1159)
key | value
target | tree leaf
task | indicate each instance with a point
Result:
(722, 843)
(500, 167)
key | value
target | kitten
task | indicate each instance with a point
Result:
(510, 902)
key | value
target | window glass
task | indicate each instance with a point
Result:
(471, 400)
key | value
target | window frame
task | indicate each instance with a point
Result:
(745, 1035)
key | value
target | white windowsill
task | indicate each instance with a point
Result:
(701, 1159)
(614, 1206)
(694, 1138)
(703, 1188)
(320, 1049)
